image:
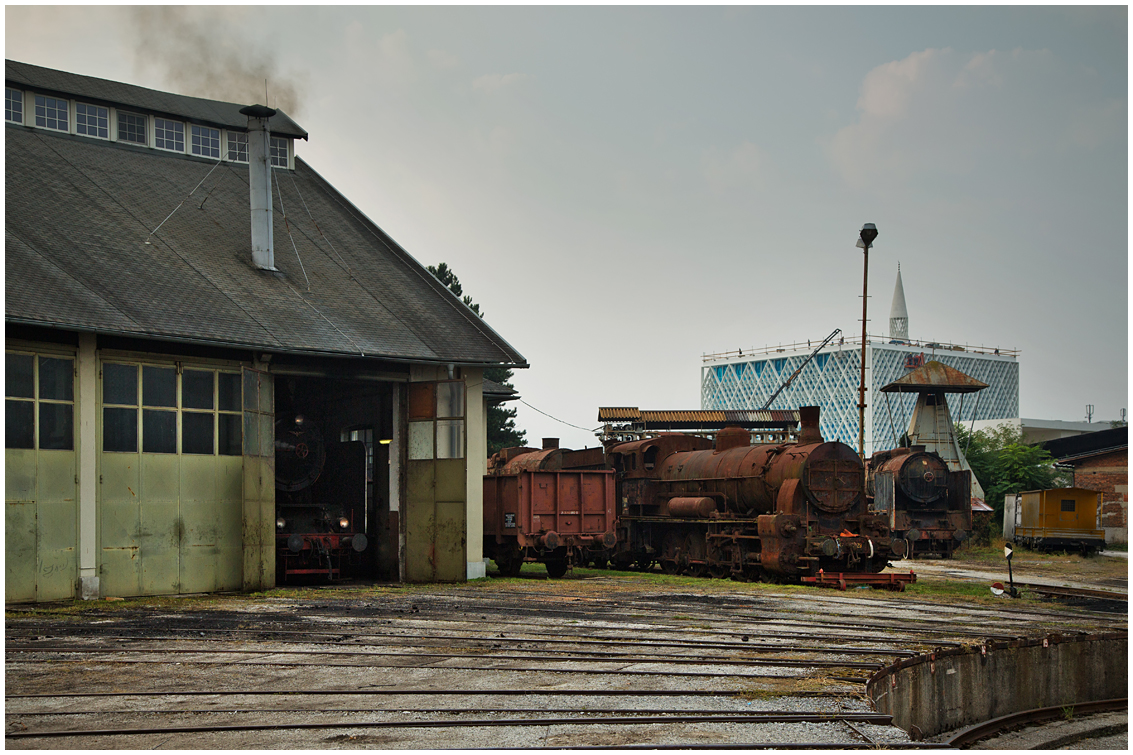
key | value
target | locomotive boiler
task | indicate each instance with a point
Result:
(777, 511)
(320, 501)
(536, 511)
(926, 504)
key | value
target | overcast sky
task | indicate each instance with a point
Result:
(625, 189)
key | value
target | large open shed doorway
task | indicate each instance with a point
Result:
(333, 440)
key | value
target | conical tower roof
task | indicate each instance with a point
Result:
(898, 315)
(935, 376)
(898, 309)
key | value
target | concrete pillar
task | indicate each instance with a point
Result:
(396, 484)
(87, 395)
(477, 457)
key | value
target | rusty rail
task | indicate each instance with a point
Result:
(994, 726)
(565, 721)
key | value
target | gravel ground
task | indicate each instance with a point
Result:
(581, 637)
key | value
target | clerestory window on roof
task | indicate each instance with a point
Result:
(131, 128)
(50, 113)
(13, 105)
(278, 153)
(206, 141)
(237, 147)
(168, 134)
(92, 120)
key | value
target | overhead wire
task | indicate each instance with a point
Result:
(287, 225)
(178, 207)
(316, 224)
(556, 419)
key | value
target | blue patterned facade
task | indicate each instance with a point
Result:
(831, 380)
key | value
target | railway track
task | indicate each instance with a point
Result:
(509, 670)
(1075, 592)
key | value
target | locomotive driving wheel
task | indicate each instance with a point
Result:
(673, 560)
(697, 550)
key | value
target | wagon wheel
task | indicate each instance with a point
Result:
(509, 565)
(697, 551)
(645, 563)
(557, 568)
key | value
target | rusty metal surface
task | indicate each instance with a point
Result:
(699, 417)
(548, 510)
(894, 582)
(935, 376)
(750, 477)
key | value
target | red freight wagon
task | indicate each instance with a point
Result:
(535, 511)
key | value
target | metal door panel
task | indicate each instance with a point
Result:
(57, 538)
(452, 480)
(160, 477)
(19, 474)
(19, 550)
(120, 480)
(200, 526)
(58, 569)
(420, 521)
(159, 542)
(120, 570)
(229, 517)
(449, 541)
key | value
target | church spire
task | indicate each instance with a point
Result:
(898, 314)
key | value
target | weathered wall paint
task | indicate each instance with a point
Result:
(950, 689)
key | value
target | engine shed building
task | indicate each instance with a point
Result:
(155, 336)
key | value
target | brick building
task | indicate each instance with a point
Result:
(1100, 461)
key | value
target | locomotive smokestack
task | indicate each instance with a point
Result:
(549, 443)
(808, 421)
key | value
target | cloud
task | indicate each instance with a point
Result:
(443, 60)
(741, 167)
(942, 113)
(495, 82)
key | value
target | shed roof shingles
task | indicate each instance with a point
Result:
(81, 210)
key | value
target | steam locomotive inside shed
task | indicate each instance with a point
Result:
(332, 481)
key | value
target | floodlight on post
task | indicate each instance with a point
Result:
(865, 240)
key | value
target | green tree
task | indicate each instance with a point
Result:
(1004, 464)
(502, 432)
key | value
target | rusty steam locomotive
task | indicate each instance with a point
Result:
(775, 512)
(926, 504)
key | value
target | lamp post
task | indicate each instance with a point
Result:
(865, 241)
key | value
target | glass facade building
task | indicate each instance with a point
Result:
(739, 380)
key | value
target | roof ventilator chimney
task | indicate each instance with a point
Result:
(259, 184)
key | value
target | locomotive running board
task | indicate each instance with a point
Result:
(895, 582)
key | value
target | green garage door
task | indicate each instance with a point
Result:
(170, 479)
(40, 483)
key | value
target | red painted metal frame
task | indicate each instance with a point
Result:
(894, 581)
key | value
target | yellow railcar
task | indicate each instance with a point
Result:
(1057, 519)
